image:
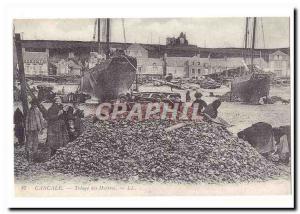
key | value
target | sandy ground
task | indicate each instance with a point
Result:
(238, 115)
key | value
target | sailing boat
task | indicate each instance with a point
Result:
(111, 77)
(252, 85)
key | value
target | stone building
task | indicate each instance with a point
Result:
(180, 40)
(150, 66)
(198, 66)
(35, 63)
(177, 66)
(279, 64)
(137, 51)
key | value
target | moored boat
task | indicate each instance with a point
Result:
(110, 78)
(252, 84)
(251, 87)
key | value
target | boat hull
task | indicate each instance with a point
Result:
(109, 79)
(251, 87)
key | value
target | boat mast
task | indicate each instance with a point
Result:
(246, 38)
(107, 37)
(124, 35)
(253, 43)
(98, 28)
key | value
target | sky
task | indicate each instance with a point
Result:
(272, 32)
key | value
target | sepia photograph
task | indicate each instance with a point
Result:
(196, 106)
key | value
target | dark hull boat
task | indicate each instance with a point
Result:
(253, 84)
(251, 87)
(110, 78)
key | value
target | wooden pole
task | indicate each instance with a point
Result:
(124, 35)
(246, 38)
(21, 73)
(98, 28)
(107, 37)
(246, 33)
(253, 43)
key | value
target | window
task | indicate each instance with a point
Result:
(27, 68)
(193, 71)
(41, 69)
(278, 64)
(139, 69)
(139, 53)
(199, 71)
(198, 63)
(154, 66)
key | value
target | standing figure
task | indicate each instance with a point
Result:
(282, 137)
(187, 96)
(77, 112)
(57, 135)
(73, 121)
(34, 124)
(201, 103)
(19, 126)
(169, 78)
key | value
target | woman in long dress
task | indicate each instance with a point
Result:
(57, 135)
(19, 126)
(34, 125)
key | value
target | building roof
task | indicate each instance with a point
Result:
(136, 46)
(278, 52)
(198, 59)
(149, 61)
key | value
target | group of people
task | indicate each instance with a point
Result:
(63, 124)
(209, 110)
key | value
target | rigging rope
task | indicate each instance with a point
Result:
(129, 62)
(124, 35)
(95, 26)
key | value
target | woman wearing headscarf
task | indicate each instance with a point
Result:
(282, 137)
(57, 135)
(19, 126)
(34, 124)
(73, 123)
